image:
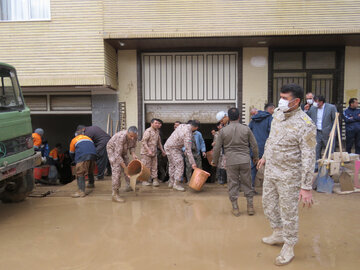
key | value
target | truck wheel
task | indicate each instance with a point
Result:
(23, 185)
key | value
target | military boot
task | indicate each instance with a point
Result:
(171, 183)
(275, 239)
(250, 206)
(156, 182)
(146, 183)
(235, 208)
(116, 197)
(91, 183)
(178, 187)
(286, 255)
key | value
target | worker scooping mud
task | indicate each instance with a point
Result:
(180, 137)
(117, 148)
(83, 151)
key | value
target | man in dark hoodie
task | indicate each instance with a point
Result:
(260, 126)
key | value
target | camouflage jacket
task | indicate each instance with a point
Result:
(181, 137)
(151, 138)
(120, 145)
(290, 148)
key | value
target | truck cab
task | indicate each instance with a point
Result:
(17, 155)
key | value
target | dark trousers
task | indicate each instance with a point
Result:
(102, 161)
(353, 137)
(239, 175)
(321, 142)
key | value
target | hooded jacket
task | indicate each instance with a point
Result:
(260, 126)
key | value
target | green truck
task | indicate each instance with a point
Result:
(17, 155)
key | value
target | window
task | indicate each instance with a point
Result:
(24, 10)
(10, 96)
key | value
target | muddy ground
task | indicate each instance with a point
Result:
(164, 229)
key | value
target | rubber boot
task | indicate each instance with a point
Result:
(235, 208)
(156, 182)
(116, 197)
(91, 183)
(178, 187)
(81, 188)
(275, 239)
(286, 255)
(250, 206)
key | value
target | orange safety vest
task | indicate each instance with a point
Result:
(54, 154)
(76, 140)
(37, 139)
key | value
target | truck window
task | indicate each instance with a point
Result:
(10, 95)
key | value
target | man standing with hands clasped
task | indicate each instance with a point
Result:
(149, 144)
(290, 158)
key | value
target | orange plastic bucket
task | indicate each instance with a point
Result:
(45, 170)
(198, 179)
(136, 167)
(37, 173)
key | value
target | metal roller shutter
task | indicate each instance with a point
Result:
(70, 103)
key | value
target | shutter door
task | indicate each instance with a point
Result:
(36, 103)
(70, 103)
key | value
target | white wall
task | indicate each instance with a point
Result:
(255, 79)
(352, 73)
(127, 67)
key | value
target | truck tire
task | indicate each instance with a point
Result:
(24, 184)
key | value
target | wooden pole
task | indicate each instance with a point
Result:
(117, 126)
(108, 125)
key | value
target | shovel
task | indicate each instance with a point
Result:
(325, 183)
(346, 183)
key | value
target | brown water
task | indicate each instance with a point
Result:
(176, 231)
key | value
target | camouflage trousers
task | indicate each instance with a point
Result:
(239, 176)
(152, 164)
(280, 203)
(176, 164)
(188, 166)
(117, 173)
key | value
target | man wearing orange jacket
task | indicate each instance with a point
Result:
(38, 133)
(83, 151)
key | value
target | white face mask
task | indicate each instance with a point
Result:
(283, 105)
(310, 101)
(315, 104)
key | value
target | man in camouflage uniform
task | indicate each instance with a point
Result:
(180, 137)
(290, 157)
(197, 158)
(150, 143)
(117, 148)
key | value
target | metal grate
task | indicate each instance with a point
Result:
(190, 77)
(122, 116)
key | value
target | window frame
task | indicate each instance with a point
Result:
(30, 20)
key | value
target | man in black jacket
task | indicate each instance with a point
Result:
(100, 139)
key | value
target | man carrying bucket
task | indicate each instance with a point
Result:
(236, 138)
(149, 144)
(290, 160)
(117, 148)
(173, 147)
